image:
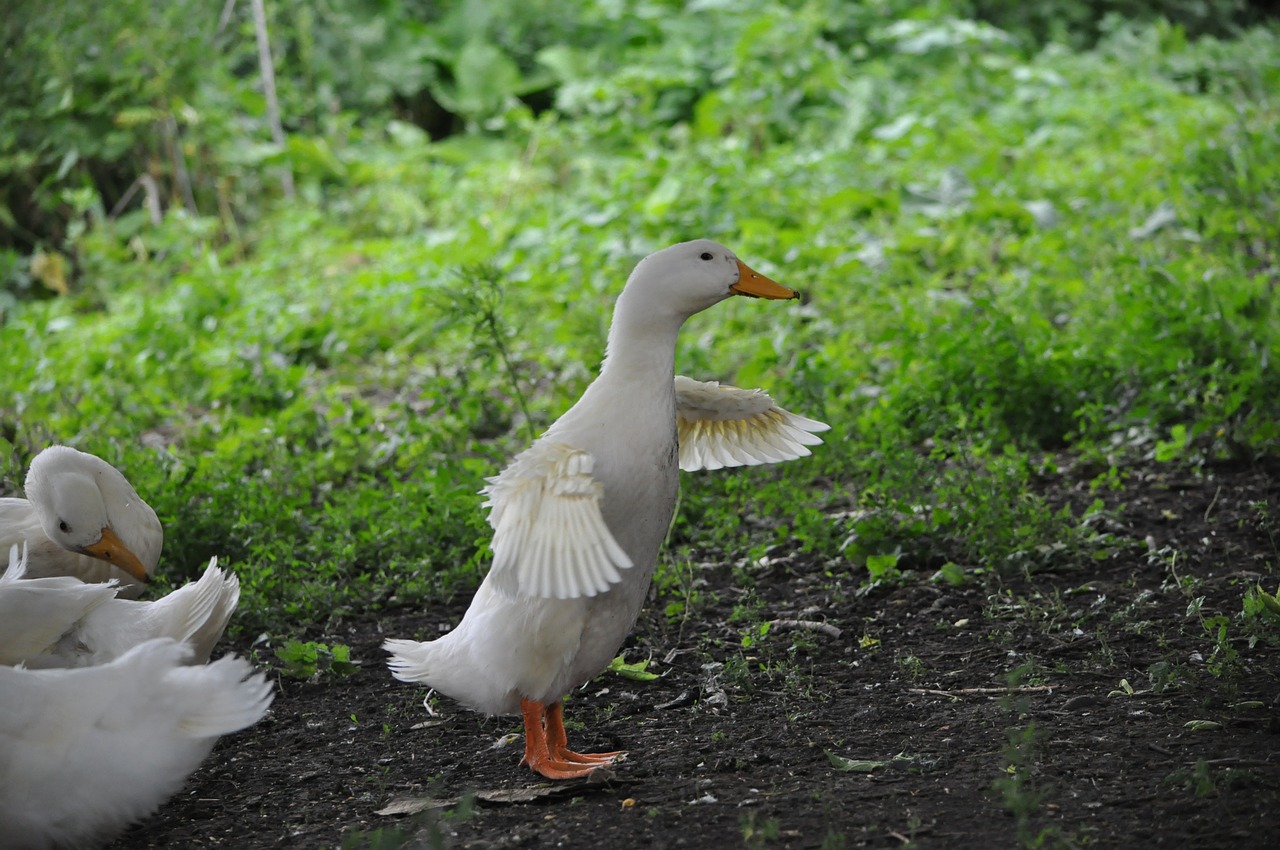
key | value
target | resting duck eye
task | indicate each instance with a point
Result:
(706, 255)
(70, 495)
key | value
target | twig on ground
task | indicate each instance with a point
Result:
(1209, 510)
(806, 625)
(970, 692)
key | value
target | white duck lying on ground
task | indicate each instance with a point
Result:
(60, 621)
(82, 518)
(86, 752)
(579, 516)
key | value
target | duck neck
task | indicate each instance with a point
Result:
(132, 518)
(642, 349)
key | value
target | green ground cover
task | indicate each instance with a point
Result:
(1014, 251)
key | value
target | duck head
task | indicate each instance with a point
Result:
(86, 505)
(691, 276)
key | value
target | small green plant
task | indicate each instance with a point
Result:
(1223, 658)
(1176, 447)
(881, 568)
(1262, 611)
(1198, 780)
(425, 831)
(312, 660)
(478, 299)
(1164, 676)
(910, 665)
(833, 840)
(677, 580)
(738, 674)
(759, 832)
(1021, 793)
(753, 635)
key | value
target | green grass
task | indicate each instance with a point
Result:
(1007, 252)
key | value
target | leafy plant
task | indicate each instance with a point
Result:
(315, 390)
(1021, 793)
(312, 660)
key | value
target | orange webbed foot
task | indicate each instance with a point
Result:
(546, 750)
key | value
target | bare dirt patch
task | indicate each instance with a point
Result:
(733, 746)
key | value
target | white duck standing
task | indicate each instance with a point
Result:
(82, 518)
(88, 751)
(579, 516)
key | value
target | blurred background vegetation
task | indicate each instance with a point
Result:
(108, 109)
(1031, 233)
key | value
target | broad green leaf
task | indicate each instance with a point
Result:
(636, 671)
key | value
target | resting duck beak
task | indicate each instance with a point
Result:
(111, 548)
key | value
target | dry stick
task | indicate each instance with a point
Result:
(125, 198)
(174, 138)
(1209, 510)
(226, 16)
(228, 217)
(151, 191)
(966, 692)
(269, 89)
(806, 625)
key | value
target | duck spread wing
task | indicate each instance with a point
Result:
(550, 539)
(719, 426)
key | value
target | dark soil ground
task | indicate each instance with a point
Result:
(733, 745)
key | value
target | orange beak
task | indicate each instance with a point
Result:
(756, 285)
(111, 548)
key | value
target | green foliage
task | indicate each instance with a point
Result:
(93, 98)
(1006, 251)
(1080, 23)
(311, 660)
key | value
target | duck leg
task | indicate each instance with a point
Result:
(544, 727)
(558, 741)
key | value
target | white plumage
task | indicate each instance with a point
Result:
(550, 538)
(60, 621)
(579, 516)
(86, 752)
(35, 613)
(81, 517)
(722, 426)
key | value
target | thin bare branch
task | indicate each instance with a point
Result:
(173, 137)
(125, 198)
(152, 192)
(225, 18)
(269, 89)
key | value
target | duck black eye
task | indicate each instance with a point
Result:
(706, 255)
(63, 527)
